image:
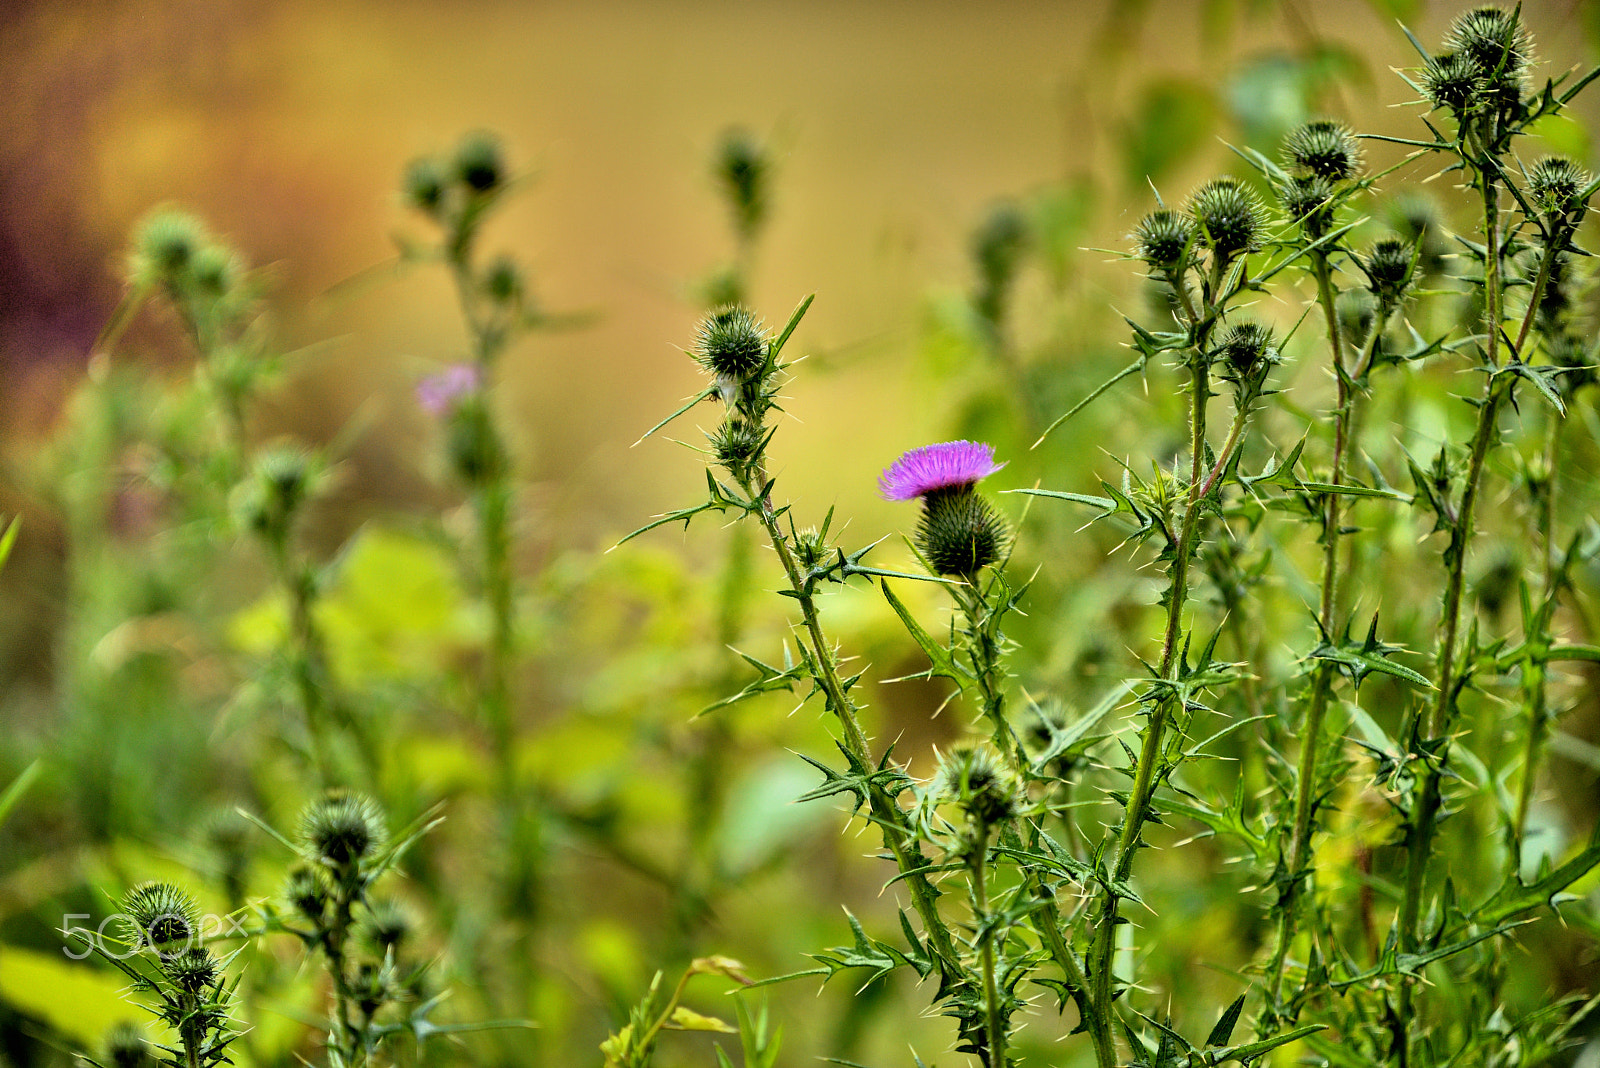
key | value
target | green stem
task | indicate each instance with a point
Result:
(1299, 850)
(1437, 720)
(897, 835)
(1534, 681)
(984, 652)
(1138, 805)
(994, 1023)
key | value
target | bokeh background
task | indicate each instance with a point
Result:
(894, 129)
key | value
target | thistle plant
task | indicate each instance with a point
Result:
(1353, 723)
(163, 953)
(331, 902)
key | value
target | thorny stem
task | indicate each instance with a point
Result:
(994, 1025)
(1322, 683)
(1433, 726)
(897, 836)
(984, 651)
(1533, 673)
(1139, 797)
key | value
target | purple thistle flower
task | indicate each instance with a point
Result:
(947, 465)
(441, 392)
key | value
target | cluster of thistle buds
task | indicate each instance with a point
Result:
(733, 347)
(1480, 75)
(343, 846)
(162, 923)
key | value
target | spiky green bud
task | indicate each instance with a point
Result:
(193, 970)
(161, 916)
(1451, 81)
(126, 1047)
(1323, 149)
(1494, 41)
(731, 343)
(974, 780)
(1387, 266)
(1308, 201)
(305, 890)
(342, 829)
(424, 184)
(1228, 216)
(1163, 238)
(1556, 186)
(478, 163)
(959, 532)
(741, 169)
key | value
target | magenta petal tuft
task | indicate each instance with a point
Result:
(935, 467)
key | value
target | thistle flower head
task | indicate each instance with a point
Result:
(304, 889)
(387, 926)
(947, 465)
(342, 829)
(1556, 186)
(731, 343)
(1324, 149)
(959, 532)
(164, 244)
(1494, 40)
(1162, 238)
(160, 915)
(1228, 216)
(440, 393)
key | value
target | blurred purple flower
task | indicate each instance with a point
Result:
(936, 467)
(439, 393)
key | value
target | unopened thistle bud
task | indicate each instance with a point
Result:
(997, 248)
(126, 1047)
(342, 829)
(387, 926)
(479, 165)
(973, 779)
(503, 281)
(164, 245)
(161, 916)
(1308, 201)
(1323, 149)
(1494, 41)
(423, 185)
(1163, 238)
(736, 442)
(216, 269)
(731, 344)
(304, 889)
(810, 548)
(1388, 269)
(1556, 186)
(192, 970)
(1451, 81)
(1248, 352)
(1228, 217)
